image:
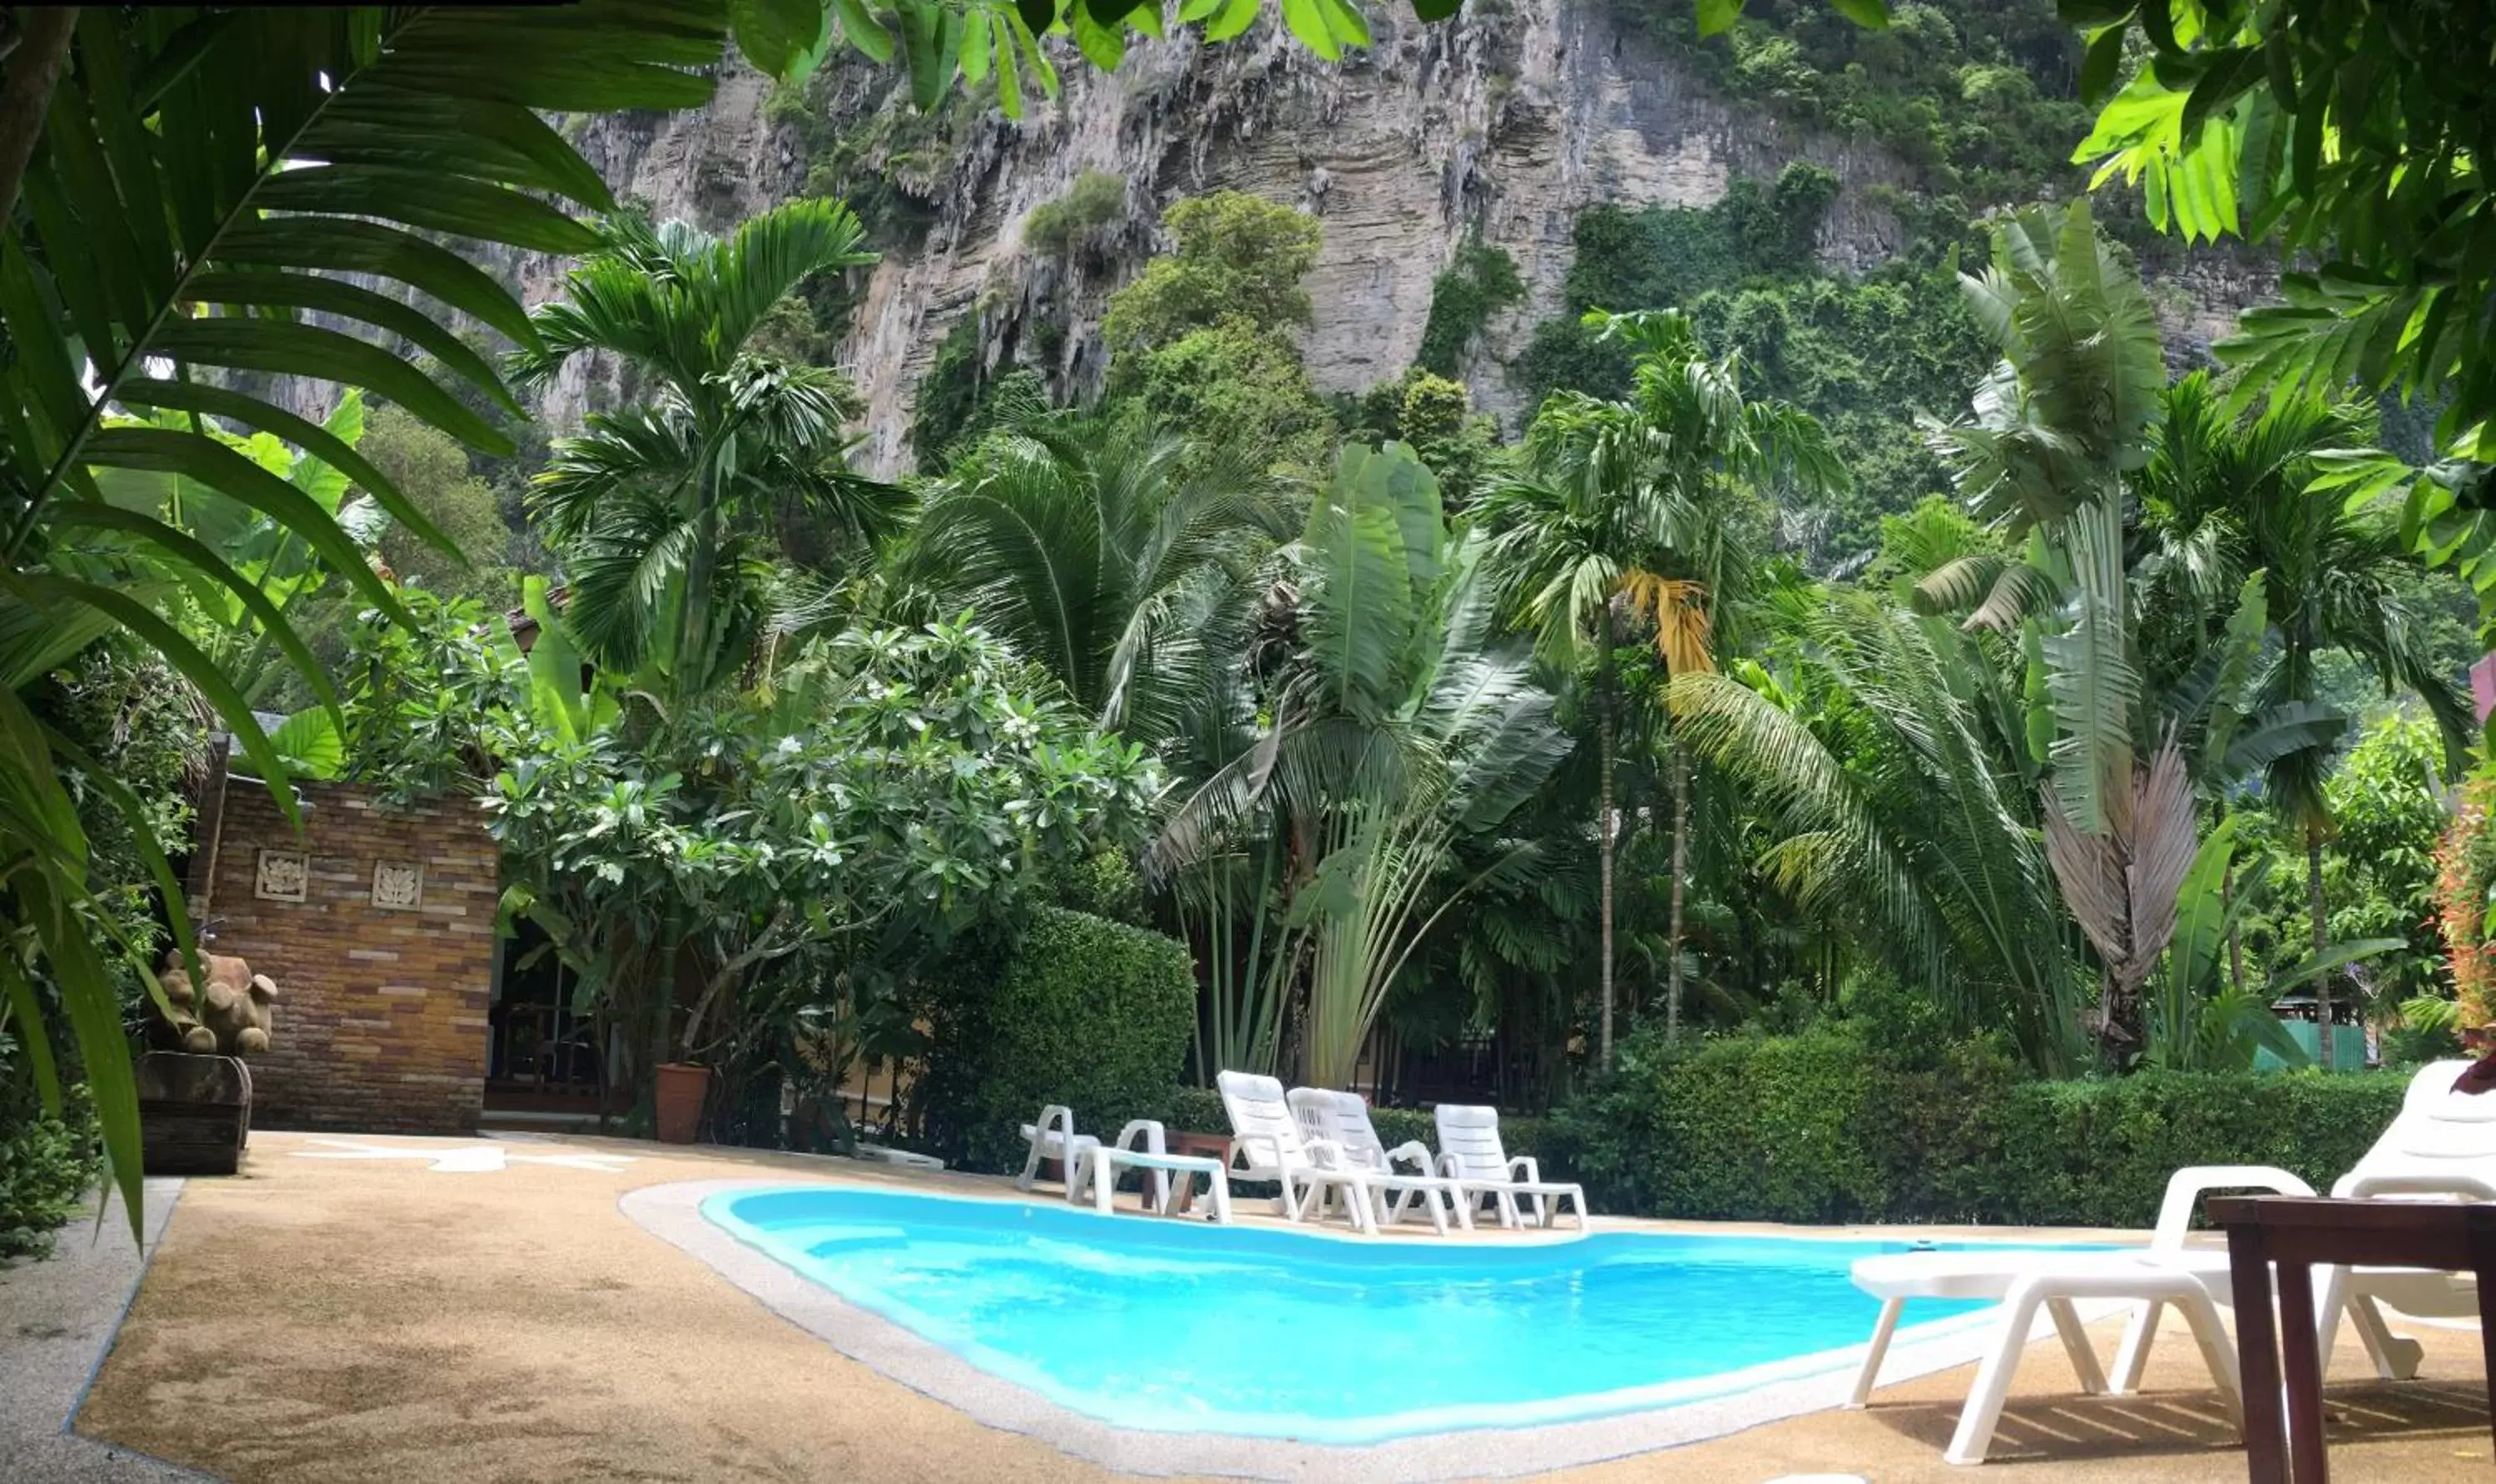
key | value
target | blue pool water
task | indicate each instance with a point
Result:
(1182, 1327)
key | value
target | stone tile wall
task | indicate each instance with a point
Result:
(382, 979)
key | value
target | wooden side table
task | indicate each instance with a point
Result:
(1212, 1146)
(2292, 1233)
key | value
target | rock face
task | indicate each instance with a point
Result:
(1506, 123)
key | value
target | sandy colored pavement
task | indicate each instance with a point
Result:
(370, 1319)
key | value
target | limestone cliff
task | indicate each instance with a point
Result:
(1506, 123)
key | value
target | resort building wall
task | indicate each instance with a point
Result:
(377, 924)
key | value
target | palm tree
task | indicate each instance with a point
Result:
(2228, 495)
(1393, 727)
(1622, 508)
(2057, 426)
(191, 191)
(1084, 542)
(1886, 754)
(657, 509)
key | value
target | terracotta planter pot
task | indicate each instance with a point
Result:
(681, 1088)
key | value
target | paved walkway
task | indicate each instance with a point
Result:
(57, 1318)
(408, 1311)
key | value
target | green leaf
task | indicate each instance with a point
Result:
(1308, 21)
(432, 202)
(310, 743)
(315, 441)
(1236, 17)
(1716, 15)
(194, 553)
(778, 35)
(1103, 46)
(1873, 14)
(286, 349)
(931, 36)
(865, 33)
(179, 652)
(1428, 9)
(229, 474)
(2103, 61)
(342, 245)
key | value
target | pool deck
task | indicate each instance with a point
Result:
(359, 1308)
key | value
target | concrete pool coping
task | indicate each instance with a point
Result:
(672, 1212)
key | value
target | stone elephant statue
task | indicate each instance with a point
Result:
(230, 1017)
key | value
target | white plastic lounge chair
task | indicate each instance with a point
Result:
(1054, 1138)
(1267, 1145)
(1324, 1113)
(1139, 1147)
(1471, 1155)
(2025, 1281)
(2441, 1145)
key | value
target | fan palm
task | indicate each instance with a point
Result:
(2057, 426)
(656, 510)
(1622, 509)
(1396, 726)
(187, 189)
(1082, 541)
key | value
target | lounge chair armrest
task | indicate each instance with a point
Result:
(1414, 1151)
(2357, 1184)
(2187, 1186)
(1525, 1167)
(1143, 1133)
(1056, 1121)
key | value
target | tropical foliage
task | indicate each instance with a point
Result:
(1728, 697)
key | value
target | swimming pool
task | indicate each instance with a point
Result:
(1171, 1326)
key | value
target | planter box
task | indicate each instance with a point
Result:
(194, 1112)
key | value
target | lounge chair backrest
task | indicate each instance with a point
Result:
(1470, 1135)
(2438, 1123)
(1324, 1113)
(1260, 1119)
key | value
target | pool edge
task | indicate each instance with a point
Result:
(674, 1214)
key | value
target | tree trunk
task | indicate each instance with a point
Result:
(1680, 872)
(2236, 938)
(1604, 833)
(2314, 906)
(26, 97)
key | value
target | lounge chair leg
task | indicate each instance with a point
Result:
(1873, 1353)
(2075, 1344)
(1105, 1179)
(2132, 1356)
(2396, 1356)
(1973, 1436)
(2219, 1353)
(1221, 1189)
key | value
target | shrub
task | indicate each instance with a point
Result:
(1834, 1125)
(46, 1165)
(1072, 1009)
(1095, 200)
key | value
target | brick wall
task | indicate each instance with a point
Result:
(380, 1022)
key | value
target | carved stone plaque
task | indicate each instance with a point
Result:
(282, 877)
(398, 885)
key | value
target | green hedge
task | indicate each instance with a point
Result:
(1199, 1110)
(1836, 1125)
(1074, 1009)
